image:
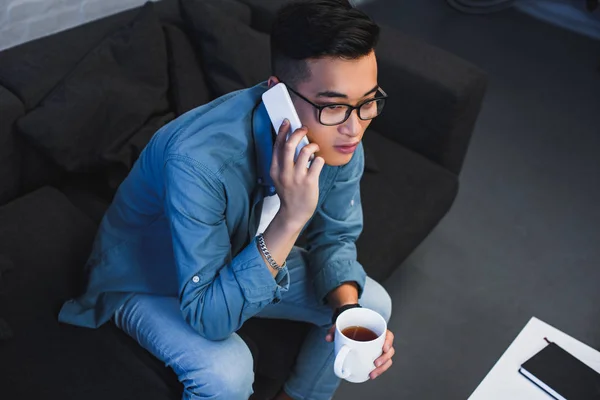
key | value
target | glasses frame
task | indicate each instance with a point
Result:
(351, 108)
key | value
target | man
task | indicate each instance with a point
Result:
(179, 261)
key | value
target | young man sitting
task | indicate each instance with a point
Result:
(200, 236)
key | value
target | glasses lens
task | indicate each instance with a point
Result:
(334, 115)
(371, 109)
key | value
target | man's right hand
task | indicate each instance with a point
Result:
(298, 190)
(297, 185)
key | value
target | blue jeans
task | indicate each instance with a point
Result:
(224, 369)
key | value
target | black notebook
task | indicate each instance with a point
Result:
(561, 375)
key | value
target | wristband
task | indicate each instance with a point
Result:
(341, 309)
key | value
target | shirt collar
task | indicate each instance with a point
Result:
(263, 145)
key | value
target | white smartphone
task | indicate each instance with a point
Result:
(279, 107)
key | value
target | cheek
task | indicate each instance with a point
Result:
(319, 136)
(308, 115)
(365, 124)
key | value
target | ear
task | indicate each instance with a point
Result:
(273, 80)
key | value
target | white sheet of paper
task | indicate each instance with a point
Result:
(504, 381)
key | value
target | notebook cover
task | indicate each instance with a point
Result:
(563, 373)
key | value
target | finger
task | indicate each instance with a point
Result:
(289, 147)
(330, 334)
(389, 341)
(282, 132)
(280, 138)
(378, 371)
(305, 154)
(316, 166)
(297, 135)
(385, 357)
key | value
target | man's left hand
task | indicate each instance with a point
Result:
(384, 362)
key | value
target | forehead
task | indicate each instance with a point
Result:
(350, 77)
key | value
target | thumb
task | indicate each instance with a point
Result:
(330, 334)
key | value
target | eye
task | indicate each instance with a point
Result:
(369, 104)
(335, 107)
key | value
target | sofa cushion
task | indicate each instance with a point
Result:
(110, 94)
(234, 55)
(5, 266)
(5, 331)
(48, 240)
(187, 88)
(32, 69)
(11, 108)
(264, 12)
(235, 9)
(121, 156)
(37, 169)
(86, 199)
(401, 204)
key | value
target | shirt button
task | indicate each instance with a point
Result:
(196, 279)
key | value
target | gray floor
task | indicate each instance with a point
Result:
(523, 237)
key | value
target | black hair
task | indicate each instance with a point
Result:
(313, 29)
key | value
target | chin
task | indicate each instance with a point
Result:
(338, 160)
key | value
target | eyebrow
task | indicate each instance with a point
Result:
(329, 93)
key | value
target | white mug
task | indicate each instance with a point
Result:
(354, 360)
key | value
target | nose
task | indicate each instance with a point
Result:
(351, 127)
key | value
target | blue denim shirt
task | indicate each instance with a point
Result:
(183, 223)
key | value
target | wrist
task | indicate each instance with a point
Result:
(288, 222)
(346, 293)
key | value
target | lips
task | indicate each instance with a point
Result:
(346, 149)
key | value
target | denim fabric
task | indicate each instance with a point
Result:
(223, 369)
(183, 223)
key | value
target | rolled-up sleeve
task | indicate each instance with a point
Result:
(332, 233)
(217, 291)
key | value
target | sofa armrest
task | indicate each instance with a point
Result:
(11, 108)
(434, 98)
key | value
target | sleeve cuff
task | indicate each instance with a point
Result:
(255, 279)
(283, 284)
(335, 274)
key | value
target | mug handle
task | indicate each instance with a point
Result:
(338, 365)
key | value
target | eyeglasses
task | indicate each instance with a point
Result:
(335, 114)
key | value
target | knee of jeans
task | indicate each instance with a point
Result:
(378, 300)
(230, 377)
(384, 305)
